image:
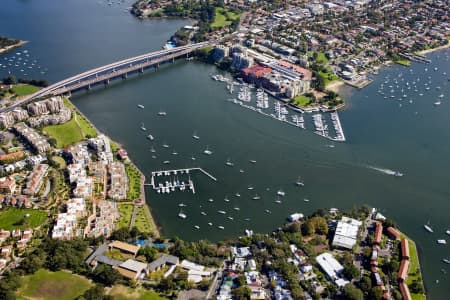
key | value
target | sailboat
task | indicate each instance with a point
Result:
(229, 163)
(299, 182)
(141, 106)
(162, 113)
(182, 215)
(207, 151)
(143, 127)
(278, 200)
(281, 193)
(195, 136)
(256, 197)
(428, 227)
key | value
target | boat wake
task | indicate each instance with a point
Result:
(385, 171)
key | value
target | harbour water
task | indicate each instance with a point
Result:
(382, 136)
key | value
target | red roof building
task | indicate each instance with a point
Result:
(405, 291)
(403, 270)
(394, 233)
(257, 71)
(405, 249)
(378, 233)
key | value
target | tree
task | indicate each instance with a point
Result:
(241, 293)
(121, 234)
(10, 80)
(366, 284)
(351, 271)
(417, 287)
(376, 293)
(105, 275)
(353, 293)
(94, 293)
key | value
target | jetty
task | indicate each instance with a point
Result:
(174, 183)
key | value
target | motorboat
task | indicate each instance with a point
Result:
(203, 213)
(306, 200)
(166, 162)
(447, 261)
(162, 113)
(428, 228)
(141, 106)
(236, 208)
(229, 163)
(210, 200)
(281, 193)
(268, 211)
(437, 103)
(152, 150)
(182, 205)
(442, 242)
(195, 136)
(398, 174)
(278, 201)
(256, 197)
(182, 215)
(207, 151)
(222, 212)
(150, 137)
(238, 195)
(165, 145)
(253, 161)
(196, 227)
(210, 224)
(299, 182)
(143, 127)
(226, 199)
(250, 187)
(447, 232)
(230, 218)
(221, 227)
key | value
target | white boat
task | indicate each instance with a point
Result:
(230, 218)
(256, 197)
(143, 127)
(203, 213)
(221, 227)
(268, 211)
(437, 103)
(238, 195)
(447, 261)
(166, 162)
(295, 217)
(278, 201)
(222, 212)
(241, 171)
(195, 136)
(207, 151)
(253, 161)
(398, 174)
(210, 224)
(236, 208)
(306, 200)
(250, 187)
(152, 150)
(162, 113)
(447, 232)
(182, 205)
(210, 200)
(182, 215)
(299, 182)
(226, 199)
(150, 137)
(281, 193)
(196, 227)
(192, 158)
(229, 163)
(140, 106)
(442, 242)
(428, 228)
(174, 152)
(165, 145)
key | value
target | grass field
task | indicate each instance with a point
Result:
(65, 134)
(301, 101)
(59, 161)
(321, 58)
(53, 286)
(83, 123)
(329, 76)
(125, 211)
(24, 89)
(143, 220)
(223, 18)
(403, 62)
(134, 182)
(121, 292)
(12, 218)
(414, 269)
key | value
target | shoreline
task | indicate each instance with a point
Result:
(443, 47)
(335, 86)
(12, 47)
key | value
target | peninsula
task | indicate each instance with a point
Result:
(7, 44)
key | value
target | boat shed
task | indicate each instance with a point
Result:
(346, 233)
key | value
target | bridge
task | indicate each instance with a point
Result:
(104, 74)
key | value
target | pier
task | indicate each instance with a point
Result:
(175, 184)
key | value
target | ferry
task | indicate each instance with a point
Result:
(256, 197)
(150, 137)
(196, 227)
(221, 227)
(428, 228)
(281, 193)
(141, 106)
(182, 215)
(442, 242)
(207, 151)
(143, 127)
(222, 212)
(162, 113)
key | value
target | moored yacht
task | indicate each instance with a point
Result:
(195, 136)
(143, 127)
(140, 106)
(150, 137)
(281, 193)
(162, 113)
(207, 151)
(428, 228)
(182, 215)
(222, 212)
(256, 197)
(299, 182)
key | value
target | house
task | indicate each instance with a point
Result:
(124, 247)
(393, 233)
(332, 268)
(6, 252)
(165, 259)
(405, 249)
(405, 291)
(7, 185)
(195, 271)
(132, 269)
(403, 270)
(378, 233)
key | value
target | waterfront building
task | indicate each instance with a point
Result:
(241, 61)
(220, 52)
(77, 154)
(37, 108)
(61, 117)
(346, 233)
(118, 181)
(103, 218)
